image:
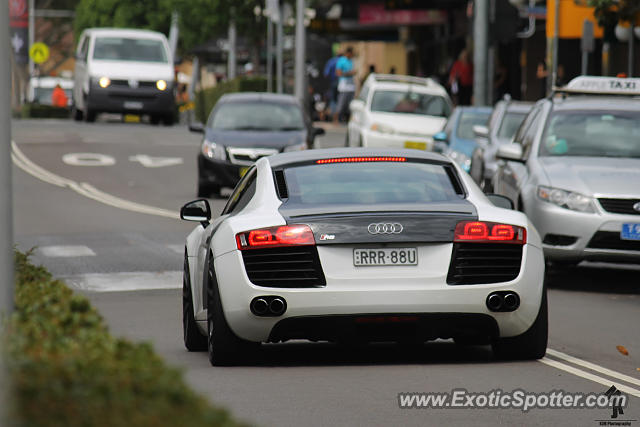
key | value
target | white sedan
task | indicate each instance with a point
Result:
(366, 244)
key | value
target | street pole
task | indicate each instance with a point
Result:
(174, 32)
(6, 205)
(300, 51)
(631, 51)
(279, 50)
(32, 33)
(480, 51)
(269, 55)
(556, 41)
(231, 57)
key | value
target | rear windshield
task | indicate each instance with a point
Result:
(408, 102)
(269, 116)
(510, 125)
(129, 49)
(369, 183)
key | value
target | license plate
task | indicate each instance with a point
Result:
(131, 118)
(385, 257)
(630, 231)
(133, 105)
(415, 145)
(243, 171)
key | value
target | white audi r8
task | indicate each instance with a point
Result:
(366, 244)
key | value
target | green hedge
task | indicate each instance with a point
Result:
(39, 111)
(206, 99)
(67, 370)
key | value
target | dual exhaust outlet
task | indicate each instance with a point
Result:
(503, 301)
(268, 306)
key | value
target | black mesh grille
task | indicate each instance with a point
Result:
(288, 267)
(474, 263)
(612, 240)
(621, 206)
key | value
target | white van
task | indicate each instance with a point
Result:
(123, 71)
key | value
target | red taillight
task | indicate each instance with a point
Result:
(361, 160)
(483, 231)
(286, 235)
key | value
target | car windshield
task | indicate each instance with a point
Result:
(409, 102)
(510, 124)
(469, 119)
(129, 49)
(592, 133)
(369, 183)
(254, 115)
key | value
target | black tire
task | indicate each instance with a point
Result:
(532, 344)
(154, 120)
(168, 120)
(90, 116)
(223, 346)
(193, 339)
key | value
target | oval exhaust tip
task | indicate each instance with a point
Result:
(511, 301)
(494, 302)
(259, 306)
(277, 306)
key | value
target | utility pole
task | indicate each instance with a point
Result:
(279, 50)
(6, 205)
(32, 33)
(174, 32)
(231, 57)
(480, 52)
(300, 51)
(556, 42)
(269, 54)
(632, 58)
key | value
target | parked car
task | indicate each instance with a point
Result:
(242, 128)
(40, 89)
(506, 118)
(574, 169)
(457, 139)
(361, 244)
(397, 111)
(124, 71)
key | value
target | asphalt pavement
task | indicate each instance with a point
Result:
(99, 204)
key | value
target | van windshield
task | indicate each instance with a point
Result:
(129, 49)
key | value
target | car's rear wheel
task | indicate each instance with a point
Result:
(89, 116)
(193, 339)
(224, 347)
(530, 345)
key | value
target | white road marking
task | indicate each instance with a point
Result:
(85, 189)
(118, 282)
(593, 367)
(88, 159)
(155, 162)
(589, 376)
(66, 251)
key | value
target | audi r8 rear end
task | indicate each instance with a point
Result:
(375, 245)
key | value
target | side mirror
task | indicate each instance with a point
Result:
(511, 151)
(481, 131)
(317, 131)
(441, 137)
(501, 201)
(440, 147)
(196, 127)
(356, 105)
(197, 210)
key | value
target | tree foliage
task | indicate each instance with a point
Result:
(200, 20)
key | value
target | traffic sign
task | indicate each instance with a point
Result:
(39, 52)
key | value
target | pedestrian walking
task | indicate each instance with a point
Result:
(330, 74)
(461, 78)
(346, 84)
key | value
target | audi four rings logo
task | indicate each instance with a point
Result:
(385, 228)
(636, 207)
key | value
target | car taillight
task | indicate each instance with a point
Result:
(483, 232)
(361, 160)
(285, 235)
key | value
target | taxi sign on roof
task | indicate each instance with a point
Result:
(602, 86)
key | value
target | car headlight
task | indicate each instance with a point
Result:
(104, 82)
(461, 159)
(161, 84)
(382, 128)
(296, 147)
(212, 150)
(566, 199)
